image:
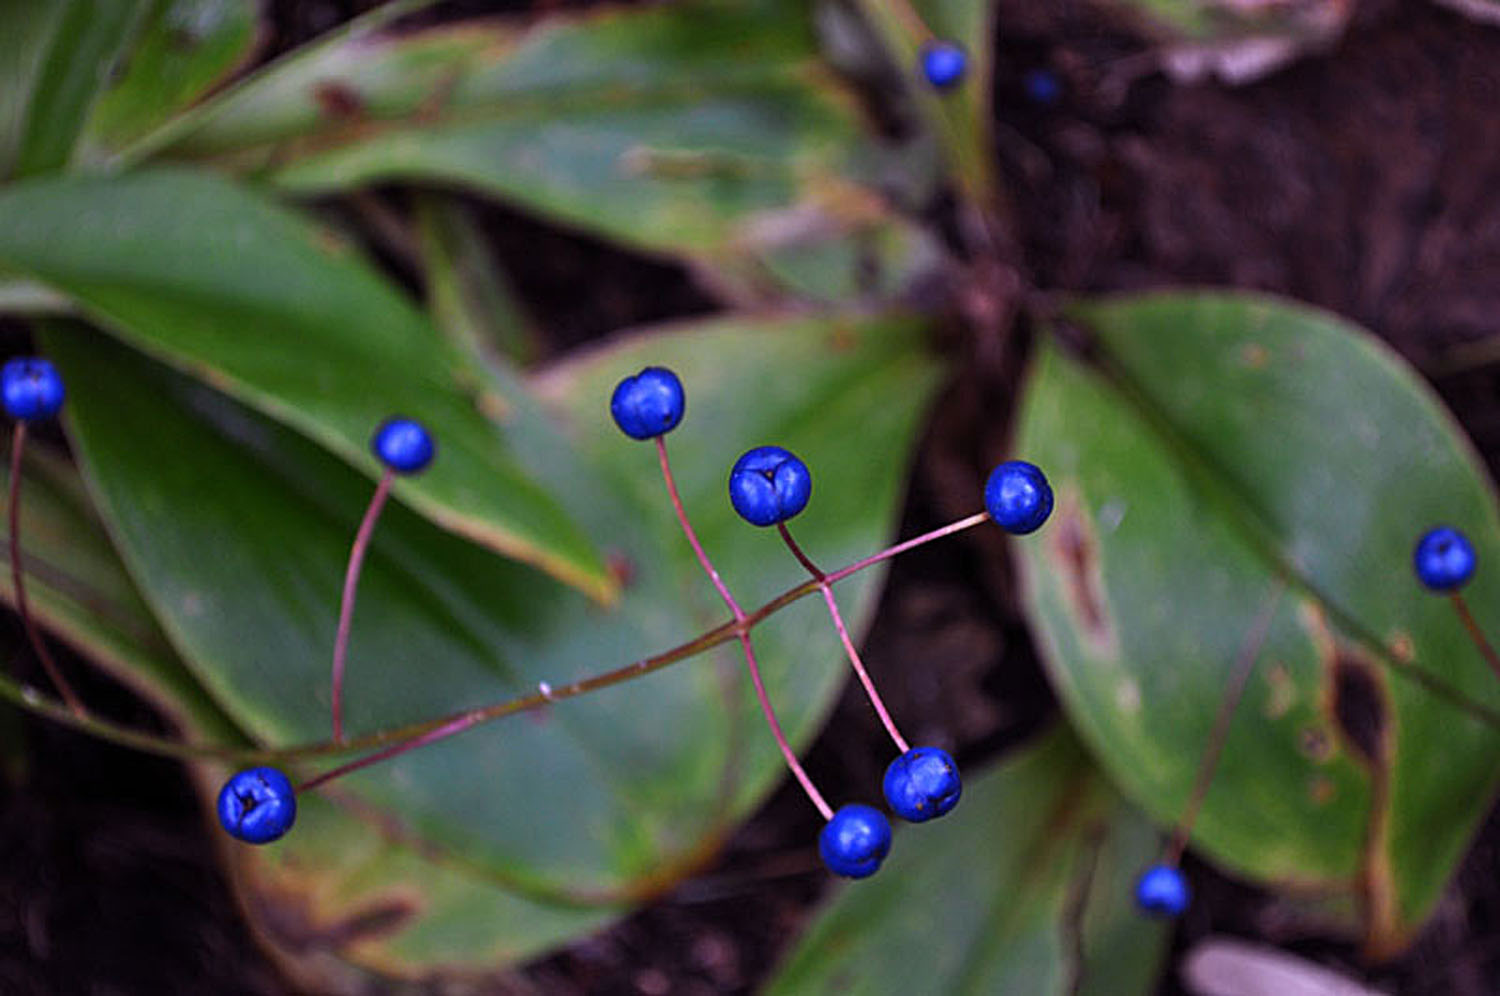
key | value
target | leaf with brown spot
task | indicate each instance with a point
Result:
(1362, 757)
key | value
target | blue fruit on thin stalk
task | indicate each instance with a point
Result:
(31, 388)
(649, 404)
(769, 485)
(855, 841)
(257, 805)
(1018, 497)
(404, 445)
(1444, 559)
(1162, 891)
(922, 784)
(943, 63)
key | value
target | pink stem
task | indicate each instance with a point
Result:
(838, 624)
(687, 527)
(1475, 633)
(18, 583)
(446, 730)
(916, 541)
(742, 631)
(346, 605)
(786, 748)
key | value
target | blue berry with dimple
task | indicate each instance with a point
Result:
(257, 805)
(855, 841)
(31, 388)
(943, 63)
(1018, 497)
(1162, 891)
(922, 784)
(1444, 559)
(404, 445)
(769, 485)
(649, 404)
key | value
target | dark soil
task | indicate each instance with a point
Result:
(1358, 180)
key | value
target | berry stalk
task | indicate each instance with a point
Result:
(1475, 633)
(843, 631)
(692, 535)
(18, 581)
(1233, 692)
(346, 603)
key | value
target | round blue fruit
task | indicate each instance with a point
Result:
(1162, 891)
(1018, 497)
(1444, 559)
(31, 388)
(855, 841)
(404, 445)
(257, 805)
(769, 485)
(649, 404)
(943, 63)
(922, 784)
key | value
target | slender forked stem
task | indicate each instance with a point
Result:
(742, 630)
(838, 624)
(1475, 633)
(346, 603)
(1233, 692)
(448, 729)
(18, 581)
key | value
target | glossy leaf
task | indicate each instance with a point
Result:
(1236, 444)
(602, 798)
(1024, 888)
(251, 298)
(184, 48)
(705, 127)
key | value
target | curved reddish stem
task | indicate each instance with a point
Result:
(18, 581)
(448, 729)
(1475, 633)
(742, 630)
(915, 541)
(346, 603)
(843, 631)
(1233, 692)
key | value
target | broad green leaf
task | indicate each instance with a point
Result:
(708, 127)
(1024, 888)
(81, 51)
(600, 799)
(1237, 443)
(29, 28)
(184, 48)
(246, 296)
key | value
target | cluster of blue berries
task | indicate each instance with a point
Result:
(769, 485)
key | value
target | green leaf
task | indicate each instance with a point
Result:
(1230, 443)
(85, 42)
(706, 127)
(1025, 888)
(601, 799)
(248, 297)
(29, 28)
(185, 48)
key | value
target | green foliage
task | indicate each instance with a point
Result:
(228, 355)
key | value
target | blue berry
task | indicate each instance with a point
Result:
(943, 63)
(1444, 559)
(922, 784)
(1018, 497)
(649, 404)
(403, 445)
(31, 388)
(257, 805)
(1043, 87)
(769, 485)
(855, 841)
(1162, 891)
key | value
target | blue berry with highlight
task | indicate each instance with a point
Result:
(1444, 559)
(404, 445)
(1018, 497)
(257, 805)
(855, 841)
(769, 485)
(943, 63)
(31, 388)
(1162, 891)
(649, 404)
(922, 784)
